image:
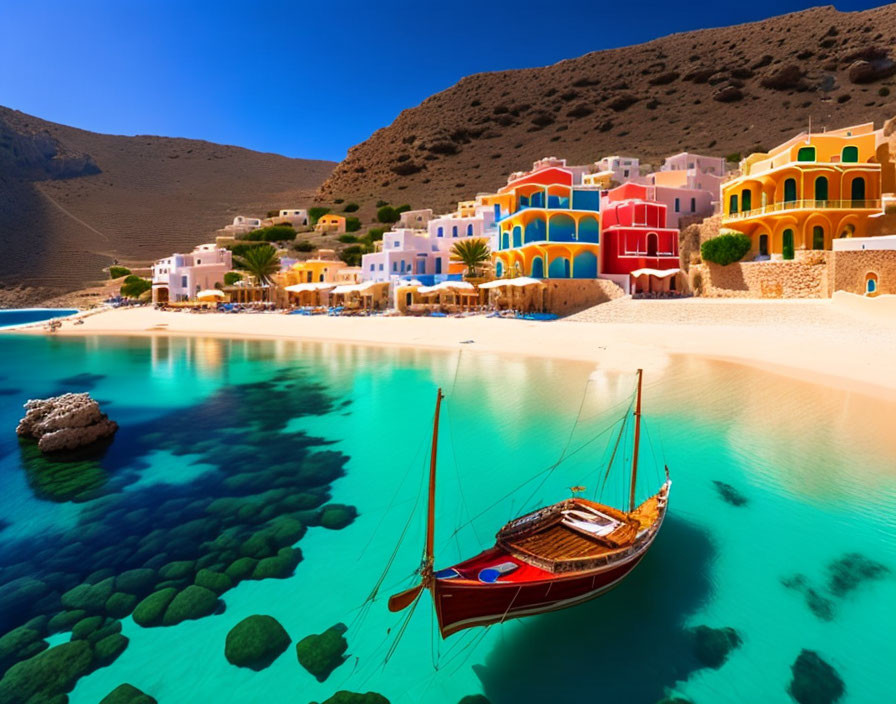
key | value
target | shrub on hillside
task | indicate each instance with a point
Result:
(402, 209)
(315, 214)
(231, 277)
(733, 158)
(725, 249)
(350, 207)
(348, 239)
(116, 272)
(381, 203)
(274, 233)
(304, 246)
(352, 224)
(387, 214)
(352, 255)
(134, 286)
(375, 234)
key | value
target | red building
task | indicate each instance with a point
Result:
(634, 238)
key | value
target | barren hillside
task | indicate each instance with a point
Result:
(715, 91)
(71, 201)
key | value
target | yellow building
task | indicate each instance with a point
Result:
(808, 191)
(330, 223)
(326, 267)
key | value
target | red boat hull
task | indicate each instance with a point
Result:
(465, 603)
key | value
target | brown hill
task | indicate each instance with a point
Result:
(71, 201)
(713, 91)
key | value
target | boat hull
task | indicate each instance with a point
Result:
(464, 604)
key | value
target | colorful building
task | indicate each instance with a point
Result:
(548, 223)
(330, 223)
(181, 276)
(635, 234)
(807, 192)
(325, 267)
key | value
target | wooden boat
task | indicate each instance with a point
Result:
(552, 558)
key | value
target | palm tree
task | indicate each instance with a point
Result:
(261, 262)
(472, 252)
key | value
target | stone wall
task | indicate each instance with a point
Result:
(850, 270)
(804, 277)
(568, 296)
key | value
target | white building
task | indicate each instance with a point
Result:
(181, 276)
(297, 217)
(241, 225)
(623, 168)
(415, 219)
(425, 254)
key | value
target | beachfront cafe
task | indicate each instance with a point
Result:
(370, 295)
(646, 281)
(521, 293)
(309, 295)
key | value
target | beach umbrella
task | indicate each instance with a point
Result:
(210, 294)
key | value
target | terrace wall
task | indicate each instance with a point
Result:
(806, 276)
(568, 296)
(851, 269)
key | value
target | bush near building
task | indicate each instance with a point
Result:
(352, 224)
(116, 272)
(231, 277)
(352, 254)
(134, 286)
(274, 233)
(387, 214)
(304, 246)
(347, 239)
(725, 249)
(315, 214)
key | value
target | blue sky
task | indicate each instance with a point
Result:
(304, 79)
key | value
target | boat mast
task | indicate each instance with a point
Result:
(631, 497)
(428, 557)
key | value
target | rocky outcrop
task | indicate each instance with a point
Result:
(255, 642)
(321, 653)
(65, 422)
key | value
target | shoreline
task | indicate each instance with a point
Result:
(855, 355)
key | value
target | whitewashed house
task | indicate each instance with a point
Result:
(181, 276)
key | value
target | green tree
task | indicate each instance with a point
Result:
(231, 277)
(315, 214)
(472, 252)
(347, 239)
(350, 208)
(352, 254)
(116, 272)
(352, 224)
(274, 233)
(387, 214)
(726, 248)
(261, 263)
(134, 286)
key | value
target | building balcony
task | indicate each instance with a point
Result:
(803, 205)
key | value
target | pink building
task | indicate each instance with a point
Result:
(181, 276)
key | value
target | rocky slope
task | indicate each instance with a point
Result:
(715, 91)
(72, 201)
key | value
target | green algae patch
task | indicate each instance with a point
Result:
(19, 644)
(218, 582)
(107, 650)
(255, 642)
(150, 611)
(345, 697)
(337, 516)
(60, 477)
(48, 674)
(192, 603)
(121, 604)
(322, 653)
(127, 694)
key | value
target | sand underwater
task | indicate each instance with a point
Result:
(276, 479)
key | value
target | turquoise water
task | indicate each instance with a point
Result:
(775, 482)
(23, 316)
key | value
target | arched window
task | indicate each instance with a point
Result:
(787, 244)
(817, 237)
(454, 231)
(652, 244)
(870, 283)
(470, 230)
(790, 190)
(732, 204)
(858, 189)
(850, 155)
(821, 188)
(806, 154)
(746, 200)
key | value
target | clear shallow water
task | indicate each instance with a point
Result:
(816, 467)
(23, 316)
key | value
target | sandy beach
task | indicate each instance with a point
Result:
(816, 341)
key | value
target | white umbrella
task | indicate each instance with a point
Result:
(518, 281)
(447, 286)
(347, 288)
(210, 293)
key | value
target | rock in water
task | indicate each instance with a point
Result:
(47, 675)
(712, 645)
(814, 681)
(729, 494)
(345, 697)
(322, 653)
(255, 642)
(65, 422)
(850, 571)
(127, 694)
